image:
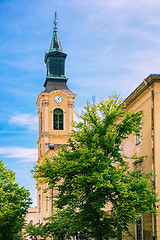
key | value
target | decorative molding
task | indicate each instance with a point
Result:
(44, 133)
(70, 105)
(46, 103)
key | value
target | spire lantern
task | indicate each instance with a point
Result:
(55, 62)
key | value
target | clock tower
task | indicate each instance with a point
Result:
(55, 110)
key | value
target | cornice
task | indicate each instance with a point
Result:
(150, 80)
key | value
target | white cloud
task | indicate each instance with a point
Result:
(21, 153)
(26, 120)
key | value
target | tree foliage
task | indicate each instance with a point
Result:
(34, 231)
(14, 202)
(92, 177)
(64, 225)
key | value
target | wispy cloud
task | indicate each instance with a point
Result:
(26, 120)
(20, 153)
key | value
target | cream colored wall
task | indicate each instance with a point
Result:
(144, 103)
(30, 217)
(157, 149)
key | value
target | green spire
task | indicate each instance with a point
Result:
(55, 42)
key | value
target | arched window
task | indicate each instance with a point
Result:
(57, 119)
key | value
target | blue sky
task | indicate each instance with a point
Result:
(111, 46)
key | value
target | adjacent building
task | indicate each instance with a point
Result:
(31, 217)
(146, 98)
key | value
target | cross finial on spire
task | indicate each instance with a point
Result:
(55, 43)
(55, 19)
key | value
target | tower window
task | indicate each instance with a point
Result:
(40, 149)
(39, 203)
(47, 202)
(57, 119)
(139, 137)
(41, 122)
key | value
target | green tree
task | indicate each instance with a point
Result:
(63, 225)
(14, 202)
(34, 231)
(92, 176)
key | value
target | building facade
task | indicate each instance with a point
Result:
(55, 110)
(146, 99)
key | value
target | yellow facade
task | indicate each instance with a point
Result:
(146, 98)
(48, 137)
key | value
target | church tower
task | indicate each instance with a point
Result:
(55, 110)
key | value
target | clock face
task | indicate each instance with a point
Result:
(58, 98)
